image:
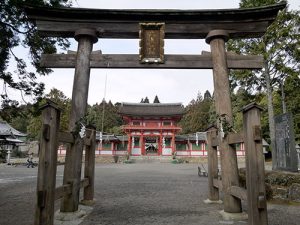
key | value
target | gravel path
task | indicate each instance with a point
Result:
(141, 194)
(151, 194)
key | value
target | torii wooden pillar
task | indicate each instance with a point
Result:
(73, 162)
(229, 166)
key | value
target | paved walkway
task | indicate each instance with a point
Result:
(151, 193)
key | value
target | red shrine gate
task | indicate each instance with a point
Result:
(151, 128)
(216, 26)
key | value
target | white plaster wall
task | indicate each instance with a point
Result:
(106, 152)
(196, 153)
(182, 153)
(120, 152)
(136, 151)
(167, 151)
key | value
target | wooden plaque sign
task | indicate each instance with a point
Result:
(152, 42)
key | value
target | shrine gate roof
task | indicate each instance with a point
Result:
(151, 109)
(180, 24)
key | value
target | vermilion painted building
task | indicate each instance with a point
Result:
(152, 130)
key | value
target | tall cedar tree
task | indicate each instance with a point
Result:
(280, 49)
(292, 96)
(105, 114)
(197, 114)
(156, 100)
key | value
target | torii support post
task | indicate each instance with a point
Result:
(213, 192)
(89, 165)
(229, 167)
(72, 172)
(44, 214)
(255, 170)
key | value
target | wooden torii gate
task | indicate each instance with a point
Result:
(88, 25)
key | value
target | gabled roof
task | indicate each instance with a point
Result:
(191, 137)
(151, 109)
(7, 130)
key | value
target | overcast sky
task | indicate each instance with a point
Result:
(132, 85)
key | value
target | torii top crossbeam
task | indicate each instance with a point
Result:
(180, 24)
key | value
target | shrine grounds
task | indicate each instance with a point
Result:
(139, 193)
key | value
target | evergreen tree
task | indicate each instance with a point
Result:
(280, 49)
(64, 103)
(35, 121)
(17, 116)
(105, 114)
(146, 100)
(156, 100)
(16, 31)
(240, 99)
(207, 95)
(27, 118)
(197, 116)
(292, 94)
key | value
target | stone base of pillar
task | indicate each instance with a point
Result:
(234, 216)
(208, 201)
(88, 202)
(74, 218)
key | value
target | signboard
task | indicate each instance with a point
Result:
(152, 42)
(285, 143)
(150, 139)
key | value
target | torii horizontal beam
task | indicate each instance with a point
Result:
(179, 24)
(131, 61)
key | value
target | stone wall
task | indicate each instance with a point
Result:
(280, 185)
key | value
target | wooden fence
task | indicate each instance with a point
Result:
(47, 192)
(255, 194)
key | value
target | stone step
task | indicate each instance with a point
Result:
(155, 158)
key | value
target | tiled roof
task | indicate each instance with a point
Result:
(151, 109)
(7, 130)
(191, 137)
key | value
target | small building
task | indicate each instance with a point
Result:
(10, 137)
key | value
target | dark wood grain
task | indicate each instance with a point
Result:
(46, 180)
(255, 169)
(180, 24)
(131, 61)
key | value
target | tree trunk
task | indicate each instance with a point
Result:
(270, 114)
(283, 97)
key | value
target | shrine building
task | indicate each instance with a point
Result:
(152, 129)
